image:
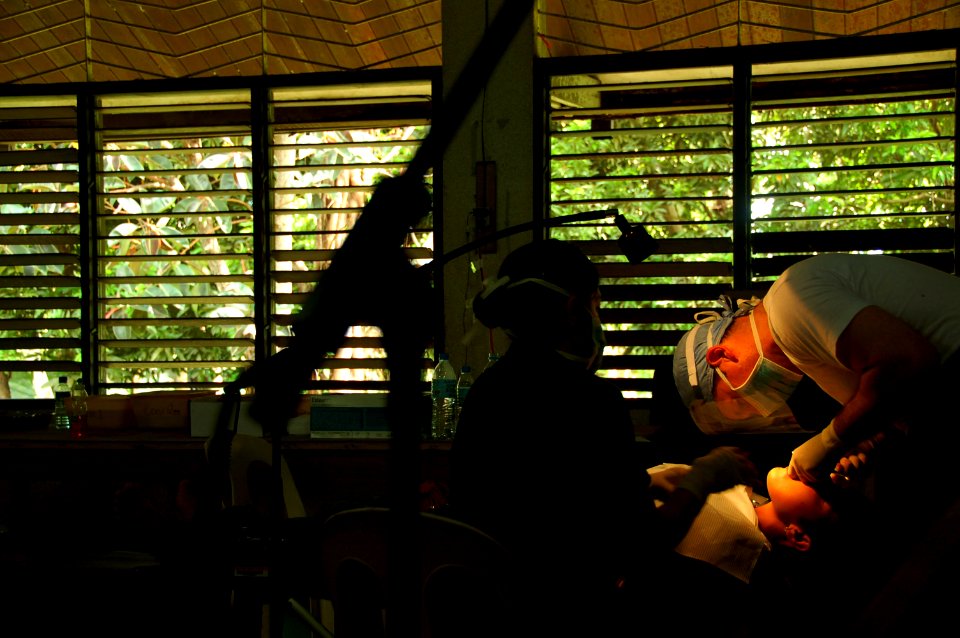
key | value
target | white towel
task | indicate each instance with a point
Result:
(725, 533)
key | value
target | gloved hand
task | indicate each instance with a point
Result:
(817, 456)
(663, 480)
(855, 464)
(718, 470)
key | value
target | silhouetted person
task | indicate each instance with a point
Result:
(546, 461)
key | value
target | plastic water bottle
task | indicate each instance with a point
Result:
(464, 382)
(78, 407)
(443, 390)
(492, 358)
(61, 418)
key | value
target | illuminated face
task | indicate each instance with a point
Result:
(794, 501)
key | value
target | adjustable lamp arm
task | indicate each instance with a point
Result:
(635, 242)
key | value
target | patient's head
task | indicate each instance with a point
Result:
(795, 511)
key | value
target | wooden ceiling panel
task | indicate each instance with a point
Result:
(584, 11)
(321, 10)
(705, 23)
(345, 57)
(728, 15)
(610, 13)
(306, 27)
(349, 13)
(640, 16)
(701, 22)
(422, 40)
(371, 53)
(645, 39)
(667, 11)
(372, 33)
(29, 54)
(617, 38)
(44, 41)
(408, 20)
(589, 35)
(382, 28)
(395, 47)
(173, 38)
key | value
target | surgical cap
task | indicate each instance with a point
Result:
(691, 372)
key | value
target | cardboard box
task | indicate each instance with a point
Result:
(164, 410)
(109, 412)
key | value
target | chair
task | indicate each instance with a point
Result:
(249, 472)
(464, 576)
(240, 515)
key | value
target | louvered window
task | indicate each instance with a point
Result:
(857, 155)
(162, 235)
(174, 236)
(738, 170)
(40, 244)
(329, 146)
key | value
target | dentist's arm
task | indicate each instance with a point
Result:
(896, 365)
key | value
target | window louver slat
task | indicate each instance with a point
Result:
(40, 336)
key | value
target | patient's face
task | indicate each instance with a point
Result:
(794, 500)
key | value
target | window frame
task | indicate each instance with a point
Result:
(89, 364)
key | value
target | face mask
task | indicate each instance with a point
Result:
(710, 420)
(769, 385)
(599, 343)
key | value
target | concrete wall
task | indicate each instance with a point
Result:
(498, 129)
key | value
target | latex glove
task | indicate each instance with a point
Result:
(817, 456)
(852, 468)
(663, 480)
(720, 469)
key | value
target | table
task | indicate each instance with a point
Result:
(79, 474)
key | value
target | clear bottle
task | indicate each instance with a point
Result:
(443, 391)
(61, 418)
(464, 382)
(78, 407)
(492, 358)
